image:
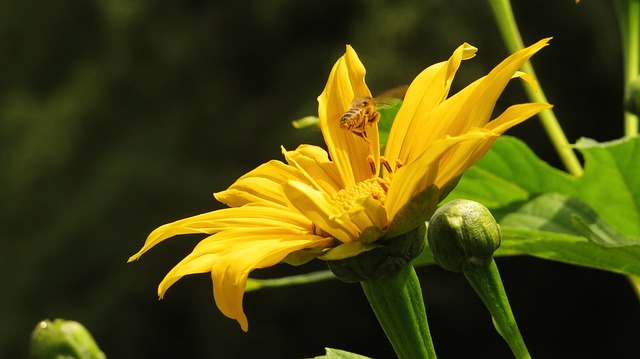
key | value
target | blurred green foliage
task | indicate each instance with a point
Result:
(118, 116)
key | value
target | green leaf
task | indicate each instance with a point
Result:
(551, 212)
(602, 233)
(340, 354)
(611, 181)
(592, 220)
(570, 249)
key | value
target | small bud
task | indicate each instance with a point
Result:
(386, 258)
(462, 232)
(63, 339)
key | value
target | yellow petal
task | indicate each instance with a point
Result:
(255, 215)
(480, 104)
(321, 210)
(231, 255)
(514, 115)
(263, 184)
(370, 216)
(427, 90)
(313, 162)
(348, 151)
(413, 178)
(473, 152)
(473, 105)
(463, 155)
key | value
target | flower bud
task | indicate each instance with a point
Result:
(462, 232)
(386, 258)
(63, 339)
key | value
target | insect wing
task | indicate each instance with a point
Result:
(391, 97)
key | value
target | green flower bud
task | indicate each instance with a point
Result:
(382, 259)
(63, 339)
(462, 232)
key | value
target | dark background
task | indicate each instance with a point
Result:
(118, 116)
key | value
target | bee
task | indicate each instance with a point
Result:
(363, 112)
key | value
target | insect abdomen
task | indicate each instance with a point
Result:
(350, 118)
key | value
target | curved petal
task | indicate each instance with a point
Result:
(321, 210)
(462, 156)
(253, 215)
(263, 184)
(516, 114)
(370, 216)
(473, 105)
(232, 254)
(480, 103)
(427, 90)
(415, 177)
(348, 151)
(313, 162)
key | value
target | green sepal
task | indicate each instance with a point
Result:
(303, 256)
(381, 259)
(414, 213)
(347, 250)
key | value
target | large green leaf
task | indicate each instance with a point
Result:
(592, 220)
(563, 228)
(570, 249)
(611, 181)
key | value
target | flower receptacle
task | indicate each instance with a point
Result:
(387, 258)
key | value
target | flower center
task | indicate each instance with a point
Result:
(375, 187)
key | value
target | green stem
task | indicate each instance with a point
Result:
(485, 280)
(628, 12)
(398, 305)
(307, 278)
(509, 29)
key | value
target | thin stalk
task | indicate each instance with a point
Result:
(509, 29)
(628, 13)
(397, 303)
(485, 280)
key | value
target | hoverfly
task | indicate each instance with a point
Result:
(363, 112)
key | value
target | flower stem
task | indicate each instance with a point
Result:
(508, 27)
(485, 280)
(628, 13)
(397, 303)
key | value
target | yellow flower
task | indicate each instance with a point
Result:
(318, 203)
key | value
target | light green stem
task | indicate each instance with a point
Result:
(397, 303)
(307, 278)
(485, 280)
(509, 29)
(628, 12)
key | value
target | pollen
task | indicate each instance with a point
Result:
(375, 187)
